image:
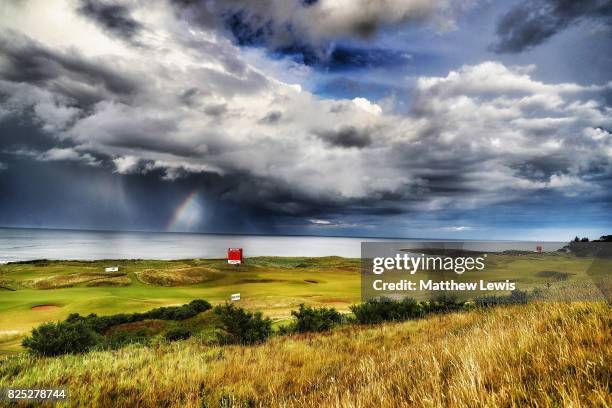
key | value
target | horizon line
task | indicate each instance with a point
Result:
(276, 235)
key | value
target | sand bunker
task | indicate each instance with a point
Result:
(45, 307)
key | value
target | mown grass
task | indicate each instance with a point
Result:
(541, 354)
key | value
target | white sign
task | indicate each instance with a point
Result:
(234, 261)
(112, 269)
(235, 296)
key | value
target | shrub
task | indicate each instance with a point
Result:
(200, 305)
(515, 297)
(178, 334)
(101, 324)
(53, 339)
(310, 319)
(443, 304)
(241, 326)
(382, 310)
(286, 329)
(80, 333)
(120, 339)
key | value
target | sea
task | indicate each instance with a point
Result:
(24, 244)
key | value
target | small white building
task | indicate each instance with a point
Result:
(111, 269)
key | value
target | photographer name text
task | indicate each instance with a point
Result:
(450, 285)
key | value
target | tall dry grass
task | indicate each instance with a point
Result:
(545, 355)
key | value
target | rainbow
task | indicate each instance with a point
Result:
(188, 213)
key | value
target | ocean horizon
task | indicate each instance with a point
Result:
(26, 244)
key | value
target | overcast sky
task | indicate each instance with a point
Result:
(400, 118)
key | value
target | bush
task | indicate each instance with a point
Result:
(443, 304)
(515, 297)
(53, 339)
(123, 338)
(101, 324)
(383, 310)
(80, 333)
(200, 305)
(241, 326)
(315, 319)
(177, 334)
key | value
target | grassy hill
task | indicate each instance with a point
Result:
(544, 354)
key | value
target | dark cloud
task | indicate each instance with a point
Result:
(216, 110)
(27, 61)
(189, 96)
(19, 131)
(112, 17)
(203, 114)
(346, 136)
(531, 23)
(271, 118)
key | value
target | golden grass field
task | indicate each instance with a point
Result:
(541, 354)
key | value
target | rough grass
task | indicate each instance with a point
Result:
(177, 277)
(116, 281)
(545, 354)
(152, 327)
(8, 335)
(556, 275)
(68, 281)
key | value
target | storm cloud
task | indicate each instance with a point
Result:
(531, 23)
(347, 136)
(191, 110)
(113, 17)
(66, 73)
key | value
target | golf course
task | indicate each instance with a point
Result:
(40, 291)
(157, 329)
(35, 292)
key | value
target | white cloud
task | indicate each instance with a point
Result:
(126, 164)
(68, 154)
(320, 222)
(458, 228)
(368, 106)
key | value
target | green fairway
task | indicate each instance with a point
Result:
(273, 285)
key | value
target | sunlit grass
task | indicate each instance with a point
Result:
(541, 354)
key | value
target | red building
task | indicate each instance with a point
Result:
(234, 256)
